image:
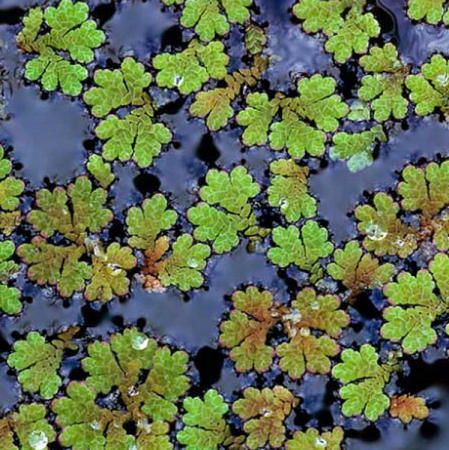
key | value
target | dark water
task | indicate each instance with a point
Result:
(50, 137)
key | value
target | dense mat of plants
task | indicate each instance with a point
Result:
(135, 390)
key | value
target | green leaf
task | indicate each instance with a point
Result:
(145, 224)
(83, 420)
(384, 231)
(9, 296)
(255, 39)
(100, 170)
(134, 136)
(386, 87)
(289, 192)
(205, 427)
(313, 440)
(213, 225)
(38, 363)
(119, 362)
(357, 149)
(117, 88)
(30, 426)
(231, 191)
(304, 350)
(10, 187)
(345, 24)
(247, 328)
(109, 273)
(262, 428)
(183, 267)
(301, 249)
(191, 68)
(211, 18)
(358, 270)
(431, 11)
(298, 137)
(415, 306)
(56, 265)
(215, 105)
(166, 383)
(66, 29)
(429, 89)
(257, 118)
(353, 36)
(364, 380)
(87, 212)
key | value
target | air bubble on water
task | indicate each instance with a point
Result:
(38, 440)
(178, 80)
(320, 442)
(140, 342)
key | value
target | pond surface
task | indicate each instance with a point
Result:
(50, 136)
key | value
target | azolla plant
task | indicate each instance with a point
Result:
(127, 387)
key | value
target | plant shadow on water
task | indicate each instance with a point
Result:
(50, 138)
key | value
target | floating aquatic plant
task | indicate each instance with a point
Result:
(264, 412)
(233, 217)
(211, 18)
(313, 440)
(407, 407)
(9, 296)
(363, 381)
(190, 69)
(433, 11)
(345, 23)
(64, 40)
(317, 103)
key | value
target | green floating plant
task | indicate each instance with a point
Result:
(364, 380)
(357, 148)
(246, 331)
(211, 18)
(289, 192)
(183, 265)
(63, 39)
(417, 301)
(149, 379)
(205, 427)
(74, 213)
(10, 190)
(255, 39)
(345, 23)
(190, 69)
(215, 104)
(225, 224)
(432, 11)
(264, 412)
(385, 87)
(358, 270)
(38, 362)
(302, 247)
(429, 90)
(100, 170)
(424, 192)
(313, 440)
(255, 314)
(305, 118)
(9, 296)
(136, 135)
(29, 428)
(305, 350)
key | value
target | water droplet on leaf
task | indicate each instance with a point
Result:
(140, 342)
(38, 440)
